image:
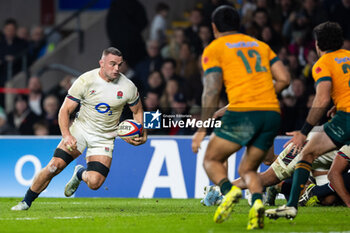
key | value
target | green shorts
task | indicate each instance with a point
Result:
(338, 129)
(257, 128)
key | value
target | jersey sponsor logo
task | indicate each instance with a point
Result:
(318, 70)
(151, 120)
(342, 59)
(242, 44)
(107, 149)
(92, 92)
(103, 108)
(119, 94)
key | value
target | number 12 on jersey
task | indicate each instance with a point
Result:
(252, 53)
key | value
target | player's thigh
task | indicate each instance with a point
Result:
(268, 123)
(318, 145)
(251, 159)
(338, 129)
(220, 149)
(269, 177)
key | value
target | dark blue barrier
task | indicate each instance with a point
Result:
(162, 167)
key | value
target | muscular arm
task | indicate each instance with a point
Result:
(319, 106)
(280, 75)
(335, 176)
(211, 95)
(67, 108)
(210, 100)
(321, 102)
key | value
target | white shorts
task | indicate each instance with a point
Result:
(324, 162)
(285, 163)
(96, 144)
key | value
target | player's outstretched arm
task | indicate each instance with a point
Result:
(210, 99)
(335, 176)
(318, 109)
(66, 109)
(280, 75)
(138, 116)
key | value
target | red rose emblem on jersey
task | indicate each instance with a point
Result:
(119, 94)
(205, 59)
(318, 70)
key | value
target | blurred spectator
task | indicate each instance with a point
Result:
(301, 45)
(346, 44)
(283, 55)
(179, 108)
(172, 49)
(281, 12)
(23, 33)
(260, 20)
(37, 43)
(208, 8)
(159, 24)
(155, 82)
(41, 128)
(10, 47)
(187, 64)
(304, 20)
(151, 101)
(307, 71)
(191, 32)
(125, 22)
(270, 37)
(51, 107)
(171, 88)
(151, 63)
(168, 70)
(36, 95)
(193, 86)
(293, 66)
(205, 36)
(5, 127)
(340, 14)
(61, 89)
(22, 118)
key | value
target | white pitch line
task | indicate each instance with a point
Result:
(20, 219)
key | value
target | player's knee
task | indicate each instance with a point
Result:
(97, 178)
(95, 182)
(62, 155)
(55, 166)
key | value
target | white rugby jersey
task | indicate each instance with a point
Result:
(101, 102)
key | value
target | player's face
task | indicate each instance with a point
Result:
(110, 66)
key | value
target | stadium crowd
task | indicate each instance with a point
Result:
(167, 67)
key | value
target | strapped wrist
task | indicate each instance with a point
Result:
(306, 128)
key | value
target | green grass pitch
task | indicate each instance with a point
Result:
(99, 215)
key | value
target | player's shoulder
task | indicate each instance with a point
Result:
(123, 80)
(89, 76)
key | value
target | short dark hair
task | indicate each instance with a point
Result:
(169, 60)
(10, 21)
(112, 50)
(226, 18)
(329, 36)
(161, 6)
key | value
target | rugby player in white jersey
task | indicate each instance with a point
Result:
(102, 94)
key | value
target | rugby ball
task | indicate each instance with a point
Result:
(129, 129)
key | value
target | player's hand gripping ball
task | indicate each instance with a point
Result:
(129, 129)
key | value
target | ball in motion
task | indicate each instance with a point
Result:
(129, 129)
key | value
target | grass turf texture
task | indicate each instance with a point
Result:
(99, 215)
